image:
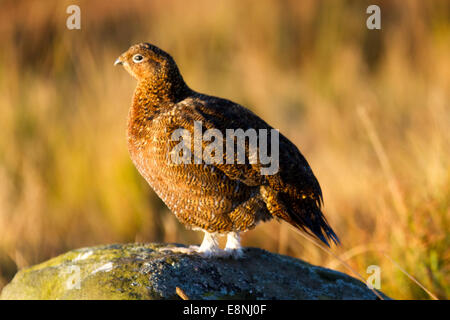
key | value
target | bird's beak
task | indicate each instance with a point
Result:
(118, 61)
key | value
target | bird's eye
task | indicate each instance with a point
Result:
(138, 58)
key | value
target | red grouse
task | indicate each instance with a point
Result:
(225, 196)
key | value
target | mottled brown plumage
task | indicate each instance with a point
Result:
(216, 198)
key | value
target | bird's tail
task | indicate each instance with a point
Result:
(306, 214)
(303, 212)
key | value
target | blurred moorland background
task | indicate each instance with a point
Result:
(369, 109)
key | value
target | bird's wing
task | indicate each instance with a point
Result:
(292, 193)
(223, 115)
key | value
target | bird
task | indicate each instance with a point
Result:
(220, 198)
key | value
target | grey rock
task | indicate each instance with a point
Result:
(147, 271)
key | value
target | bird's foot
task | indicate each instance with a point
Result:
(228, 253)
(204, 252)
(185, 250)
(233, 253)
(211, 253)
(210, 247)
(233, 247)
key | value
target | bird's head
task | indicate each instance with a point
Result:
(155, 70)
(147, 62)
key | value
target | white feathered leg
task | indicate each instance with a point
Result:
(208, 249)
(233, 247)
(210, 246)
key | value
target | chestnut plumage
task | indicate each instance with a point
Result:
(217, 198)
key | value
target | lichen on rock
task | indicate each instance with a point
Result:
(147, 271)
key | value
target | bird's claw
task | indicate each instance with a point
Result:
(227, 253)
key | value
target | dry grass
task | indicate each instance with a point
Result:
(368, 109)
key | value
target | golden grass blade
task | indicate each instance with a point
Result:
(411, 277)
(384, 161)
(181, 293)
(356, 273)
(362, 249)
